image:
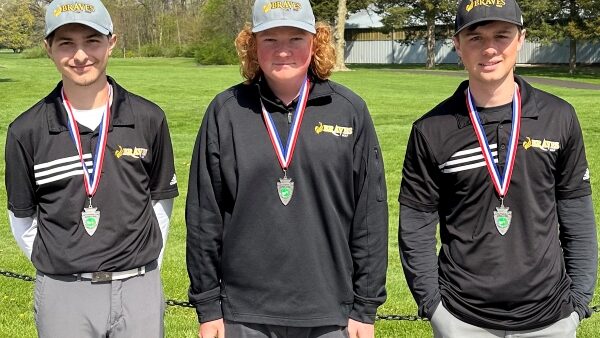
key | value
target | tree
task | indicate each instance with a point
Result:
(220, 23)
(590, 9)
(38, 10)
(340, 42)
(404, 14)
(16, 26)
(335, 14)
(328, 10)
(552, 20)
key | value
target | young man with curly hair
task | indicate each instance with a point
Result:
(286, 208)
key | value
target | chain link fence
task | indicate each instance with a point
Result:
(180, 303)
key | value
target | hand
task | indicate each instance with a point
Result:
(360, 330)
(212, 329)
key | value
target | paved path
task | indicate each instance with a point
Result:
(530, 79)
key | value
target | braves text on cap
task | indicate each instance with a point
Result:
(474, 11)
(91, 13)
(276, 13)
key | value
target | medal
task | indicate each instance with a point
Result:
(90, 216)
(502, 217)
(285, 186)
(501, 181)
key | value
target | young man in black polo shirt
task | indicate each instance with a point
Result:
(91, 181)
(502, 167)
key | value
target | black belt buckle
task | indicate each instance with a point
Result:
(101, 276)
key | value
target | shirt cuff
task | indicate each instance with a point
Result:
(364, 312)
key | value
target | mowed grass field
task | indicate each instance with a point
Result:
(184, 90)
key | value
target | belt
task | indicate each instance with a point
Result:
(107, 276)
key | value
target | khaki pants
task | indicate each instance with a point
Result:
(445, 325)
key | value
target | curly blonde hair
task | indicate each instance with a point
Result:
(322, 63)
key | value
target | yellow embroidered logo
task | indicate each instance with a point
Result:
(335, 130)
(131, 152)
(76, 7)
(486, 3)
(285, 5)
(544, 144)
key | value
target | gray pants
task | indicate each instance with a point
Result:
(445, 325)
(249, 330)
(66, 307)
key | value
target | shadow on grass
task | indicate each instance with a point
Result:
(562, 71)
(581, 72)
(6, 80)
(414, 66)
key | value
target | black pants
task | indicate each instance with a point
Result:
(249, 330)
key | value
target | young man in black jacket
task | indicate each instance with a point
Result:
(280, 247)
(501, 166)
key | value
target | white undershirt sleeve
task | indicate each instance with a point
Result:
(162, 210)
(24, 230)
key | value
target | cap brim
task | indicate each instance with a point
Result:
(284, 23)
(487, 19)
(96, 27)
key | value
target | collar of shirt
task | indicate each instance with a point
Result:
(272, 102)
(319, 93)
(122, 111)
(528, 102)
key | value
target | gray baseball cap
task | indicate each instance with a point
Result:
(277, 13)
(473, 11)
(91, 13)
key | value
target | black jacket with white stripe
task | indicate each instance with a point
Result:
(544, 267)
(44, 179)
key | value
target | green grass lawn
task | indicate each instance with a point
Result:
(184, 90)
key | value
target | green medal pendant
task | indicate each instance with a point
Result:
(90, 217)
(502, 217)
(285, 188)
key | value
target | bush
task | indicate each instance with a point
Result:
(190, 51)
(217, 51)
(38, 52)
(117, 53)
(130, 54)
(172, 51)
(151, 51)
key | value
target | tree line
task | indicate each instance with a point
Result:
(205, 29)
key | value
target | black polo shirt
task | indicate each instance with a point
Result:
(44, 180)
(517, 280)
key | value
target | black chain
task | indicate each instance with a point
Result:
(17, 276)
(400, 317)
(173, 302)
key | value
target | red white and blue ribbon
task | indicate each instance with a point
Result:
(91, 180)
(501, 181)
(284, 155)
